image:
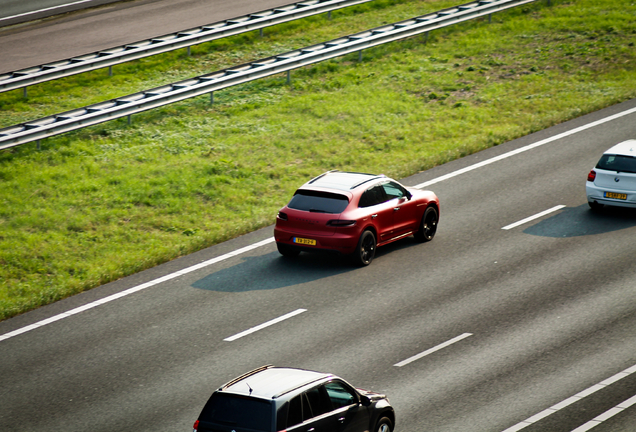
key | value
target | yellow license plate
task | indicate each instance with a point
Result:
(305, 241)
(615, 195)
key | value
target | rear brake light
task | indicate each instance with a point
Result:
(341, 223)
(196, 426)
(591, 176)
(282, 216)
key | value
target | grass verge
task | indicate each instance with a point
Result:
(104, 202)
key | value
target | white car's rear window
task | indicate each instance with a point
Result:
(617, 163)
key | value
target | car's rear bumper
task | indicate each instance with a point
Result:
(338, 243)
(597, 194)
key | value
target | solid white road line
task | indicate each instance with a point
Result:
(606, 415)
(569, 401)
(255, 245)
(46, 9)
(267, 324)
(134, 289)
(432, 350)
(531, 218)
(526, 148)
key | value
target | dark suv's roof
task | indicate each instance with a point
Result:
(341, 180)
(271, 382)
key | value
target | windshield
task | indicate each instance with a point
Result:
(618, 163)
(318, 202)
(238, 412)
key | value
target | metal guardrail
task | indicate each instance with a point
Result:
(162, 44)
(205, 84)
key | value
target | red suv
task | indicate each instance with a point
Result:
(352, 214)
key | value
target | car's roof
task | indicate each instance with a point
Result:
(626, 148)
(341, 180)
(271, 382)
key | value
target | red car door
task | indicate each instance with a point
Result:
(380, 210)
(404, 210)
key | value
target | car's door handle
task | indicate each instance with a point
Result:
(396, 208)
(374, 216)
(311, 430)
(341, 419)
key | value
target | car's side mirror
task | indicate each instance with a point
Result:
(365, 401)
(409, 195)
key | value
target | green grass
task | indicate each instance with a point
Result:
(104, 202)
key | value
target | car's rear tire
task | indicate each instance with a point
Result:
(286, 250)
(428, 226)
(594, 205)
(365, 251)
(384, 425)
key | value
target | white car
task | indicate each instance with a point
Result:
(612, 181)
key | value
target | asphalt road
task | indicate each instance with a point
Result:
(547, 310)
(539, 313)
(73, 34)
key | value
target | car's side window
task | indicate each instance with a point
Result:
(310, 404)
(340, 395)
(393, 190)
(295, 412)
(318, 401)
(372, 196)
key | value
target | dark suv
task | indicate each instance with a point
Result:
(274, 399)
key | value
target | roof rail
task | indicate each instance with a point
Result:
(276, 396)
(367, 180)
(321, 175)
(245, 375)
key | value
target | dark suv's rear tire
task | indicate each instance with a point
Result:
(428, 226)
(365, 251)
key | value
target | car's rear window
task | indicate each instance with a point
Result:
(619, 163)
(238, 412)
(319, 202)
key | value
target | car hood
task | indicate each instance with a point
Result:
(373, 396)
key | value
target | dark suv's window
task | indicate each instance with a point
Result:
(320, 202)
(237, 412)
(303, 407)
(619, 163)
(339, 394)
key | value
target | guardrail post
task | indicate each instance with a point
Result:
(260, 32)
(110, 71)
(38, 144)
(189, 52)
(359, 56)
(211, 98)
(129, 119)
(329, 15)
(24, 92)
(489, 18)
(288, 77)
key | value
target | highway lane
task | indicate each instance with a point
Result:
(83, 32)
(549, 306)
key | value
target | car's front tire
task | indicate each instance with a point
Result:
(286, 250)
(384, 425)
(365, 251)
(428, 226)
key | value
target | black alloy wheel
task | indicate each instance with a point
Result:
(366, 248)
(428, 226)
(384, 425)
